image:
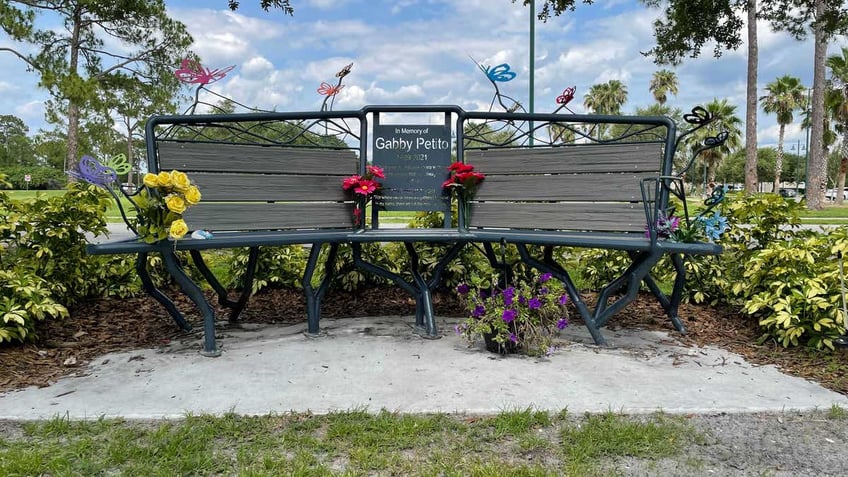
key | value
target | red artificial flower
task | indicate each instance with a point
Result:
(460, 167)
(469, 179)
(350, 182)
(365, 187)
(448, 183)
(376, 172)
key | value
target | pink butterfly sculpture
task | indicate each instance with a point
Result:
(327, 89)
(191, 71)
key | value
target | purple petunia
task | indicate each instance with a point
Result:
(563, 299)
(534, 303)
(479, 310)
(513, 338)
(508, 299)
(543, 291)
(510, 292)
(462, 289)
(562, 323)
(509, 315)
(545, 277)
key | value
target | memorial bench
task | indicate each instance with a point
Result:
(273, 179)
(584, 193)
(267, 180)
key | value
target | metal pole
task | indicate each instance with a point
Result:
(807, 143)
(532, 61)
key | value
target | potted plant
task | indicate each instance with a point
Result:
(521, 318)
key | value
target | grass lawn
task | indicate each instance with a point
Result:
(513, 443)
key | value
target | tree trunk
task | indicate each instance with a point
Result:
(778, 161)
(71, 160)
(843, 168)
(751, 178)
(817, 181)
(130, 157)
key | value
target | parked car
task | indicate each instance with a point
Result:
(831, 194)
(129, 187)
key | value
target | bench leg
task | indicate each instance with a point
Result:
(196, 295)
(548, 264)
(210, 277)
(314, 296)
(150, 288)
(670, 306)
(632, 278)
(235, 307)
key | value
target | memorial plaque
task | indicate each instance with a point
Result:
(415, 159)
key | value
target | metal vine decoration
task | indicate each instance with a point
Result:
(500, 74)
(329, 91)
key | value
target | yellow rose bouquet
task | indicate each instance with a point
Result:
(161, 204)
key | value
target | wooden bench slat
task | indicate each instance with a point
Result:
(191, 157)
(268, 216)
(609, 217)
(579, 187)
(270, 187)
(581, 158)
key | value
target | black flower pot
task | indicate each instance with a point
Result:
(493, 346)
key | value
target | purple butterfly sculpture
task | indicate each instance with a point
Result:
(93, 172)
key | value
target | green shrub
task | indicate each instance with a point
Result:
(755, 221)
(24, 299)
(41, 178)
(351, 279)
(276, 267)
(793, 287)
(42, 243)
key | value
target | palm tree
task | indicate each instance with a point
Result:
(606, 98)
(785, 95)
(725, 120)
(838, 107)
(662, 83)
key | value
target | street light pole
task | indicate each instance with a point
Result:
(532, 61)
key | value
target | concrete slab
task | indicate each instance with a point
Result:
(380, 363)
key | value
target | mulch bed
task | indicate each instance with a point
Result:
(96, 328)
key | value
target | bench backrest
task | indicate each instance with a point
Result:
(595, 187)
(247, 187)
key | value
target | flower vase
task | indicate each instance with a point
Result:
(466, 211)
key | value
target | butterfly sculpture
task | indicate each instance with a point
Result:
(93, 172)
(192, 72)
(500, 73)
(329, 91)
(565, 98)
(118, 163)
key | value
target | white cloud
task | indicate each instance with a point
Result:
(30, 111)
(256, 67)
(327, 4)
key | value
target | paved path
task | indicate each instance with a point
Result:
(380, 363)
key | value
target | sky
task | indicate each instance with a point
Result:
(420, 52)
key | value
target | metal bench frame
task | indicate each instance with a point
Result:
(269, 179)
